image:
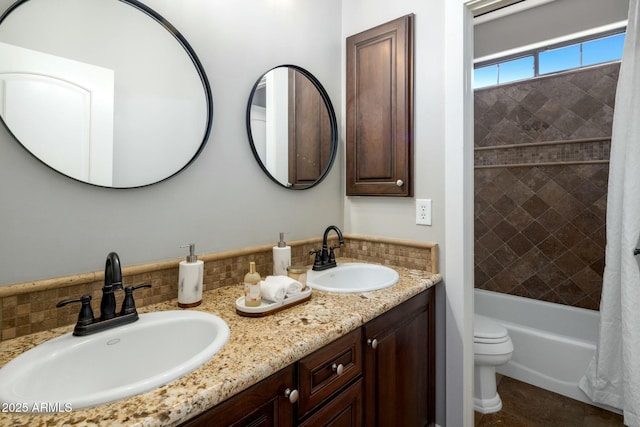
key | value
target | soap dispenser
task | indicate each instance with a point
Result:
(190, 273)
(252, 294)
(281, 257)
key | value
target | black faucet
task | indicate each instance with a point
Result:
(112, 282)
(87, 324)
(325, 257)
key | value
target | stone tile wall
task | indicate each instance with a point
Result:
(541, 170)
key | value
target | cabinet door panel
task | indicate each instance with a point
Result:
(309, 132)
(262, 405)
(400, 371)
(379, 133)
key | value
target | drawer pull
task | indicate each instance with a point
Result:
(292, 395)
(373, 343)
(338, 369)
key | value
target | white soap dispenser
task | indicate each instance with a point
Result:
(190, 273)
(281, 257)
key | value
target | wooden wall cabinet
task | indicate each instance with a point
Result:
(310, 132)
(382, 374)
(379, 133)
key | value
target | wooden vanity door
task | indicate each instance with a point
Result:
(262, 405)
(400, 365)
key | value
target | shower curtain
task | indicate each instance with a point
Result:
(613, 376)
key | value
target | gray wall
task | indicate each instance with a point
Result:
(51, 225)
(395, 216)
(551, 20)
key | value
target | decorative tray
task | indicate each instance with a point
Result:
(268, 307)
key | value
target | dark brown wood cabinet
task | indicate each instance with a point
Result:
(381, 374)
(379, 132)
(322, 374)
(265, 404)
(310, 132)
(344, 410)
(399, 367)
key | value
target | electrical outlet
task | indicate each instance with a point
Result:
(423, 211)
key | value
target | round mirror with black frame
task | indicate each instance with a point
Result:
(106, 92)
(292, 127)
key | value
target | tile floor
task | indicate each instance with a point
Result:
(524, 405)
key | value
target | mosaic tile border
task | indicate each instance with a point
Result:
(29, 307)
(578, 151)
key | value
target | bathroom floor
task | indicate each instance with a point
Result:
(524, 405)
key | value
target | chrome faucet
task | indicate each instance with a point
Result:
(325, 257)
(87, 324)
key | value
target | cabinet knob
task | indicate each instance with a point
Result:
(373, 343)
(399, 183)
(292, 395)
(338, 369)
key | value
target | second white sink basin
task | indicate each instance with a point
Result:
(69, 372)
(353, 277)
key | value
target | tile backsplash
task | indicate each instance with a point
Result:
(26, 308)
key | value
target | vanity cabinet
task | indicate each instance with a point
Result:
(399, 364)
(345, 410)
(264, 404)
(330, 386)
(381, 374)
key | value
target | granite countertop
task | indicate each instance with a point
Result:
(257, 348)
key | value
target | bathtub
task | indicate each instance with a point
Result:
(553, 343)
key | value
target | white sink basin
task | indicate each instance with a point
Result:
(70, 372)
(353, 277)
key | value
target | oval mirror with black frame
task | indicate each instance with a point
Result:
(106, 92)
(292, 127)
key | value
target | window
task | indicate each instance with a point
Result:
(504, 72)
(602, 50)
(560, 59)
(485, 76)
(518, 69)
(550, 59)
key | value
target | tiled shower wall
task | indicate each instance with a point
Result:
(541, 170)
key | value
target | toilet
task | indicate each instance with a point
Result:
(491, 347)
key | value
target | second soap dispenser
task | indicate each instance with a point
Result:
(190, 274)
(281, 257)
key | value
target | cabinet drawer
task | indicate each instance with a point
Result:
(326, 371)
(343, 410)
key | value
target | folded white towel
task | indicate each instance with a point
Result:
(272, 291)
(291, 286)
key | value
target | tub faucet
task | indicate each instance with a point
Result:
(325, 257)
